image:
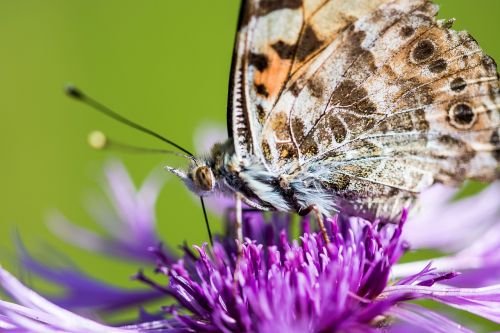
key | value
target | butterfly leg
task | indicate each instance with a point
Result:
(239, 222)
(239, 238)
(321, 223)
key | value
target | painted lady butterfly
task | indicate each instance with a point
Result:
(353, 106)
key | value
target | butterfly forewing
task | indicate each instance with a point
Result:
(275, 39)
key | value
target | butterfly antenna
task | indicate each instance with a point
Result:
(99, 141)
(206, 221)
(77, 94)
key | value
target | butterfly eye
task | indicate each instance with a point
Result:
(203, 178)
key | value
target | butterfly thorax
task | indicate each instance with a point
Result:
(249, 179)
(262, 188)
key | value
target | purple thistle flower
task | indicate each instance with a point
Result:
(281, 285)
(286, 285)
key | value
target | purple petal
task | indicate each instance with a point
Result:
(208, 134)
(93, 242)
(36, 314)
(82, 291)
(483, 302)
(419, 319)
(135, 207)
(130, 225)
(479, 263)
(454, 225)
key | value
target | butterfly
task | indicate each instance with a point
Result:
(351, 106)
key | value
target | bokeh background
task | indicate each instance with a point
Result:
(163, 63)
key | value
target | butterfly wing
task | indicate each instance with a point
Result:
(275, 40)
(375, 111)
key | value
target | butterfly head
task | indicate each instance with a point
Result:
(200, 178)
(203, 178)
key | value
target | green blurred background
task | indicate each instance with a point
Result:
(163, 63)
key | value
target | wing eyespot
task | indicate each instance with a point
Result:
(462, 116)
(423, 51)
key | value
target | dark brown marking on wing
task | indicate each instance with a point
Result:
(338, 128)
(438, 66)
(349, 94)
(397, 123)
(407, 31)
(298, 127)
(359, 55)
(458, 84)
(488, 63)
(259, 61)
(261, 90)
(339, 182)
(309, 147)
(284, 50)
(495, 142)
(261, 114)
(315, 87)
(449, 141)
(308, 44)
(423, 51)
(286, 150)
(414, 93)
(268, 6)
(295, 89)
(453, 144)
(324, 134)
(422, 125)
(266, 150)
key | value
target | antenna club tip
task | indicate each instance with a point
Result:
(73, 91)
(97, 140)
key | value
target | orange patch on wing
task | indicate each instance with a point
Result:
(274, 77)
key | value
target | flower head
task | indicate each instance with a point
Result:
(288, 285)
(277, 283)
(304, 285)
